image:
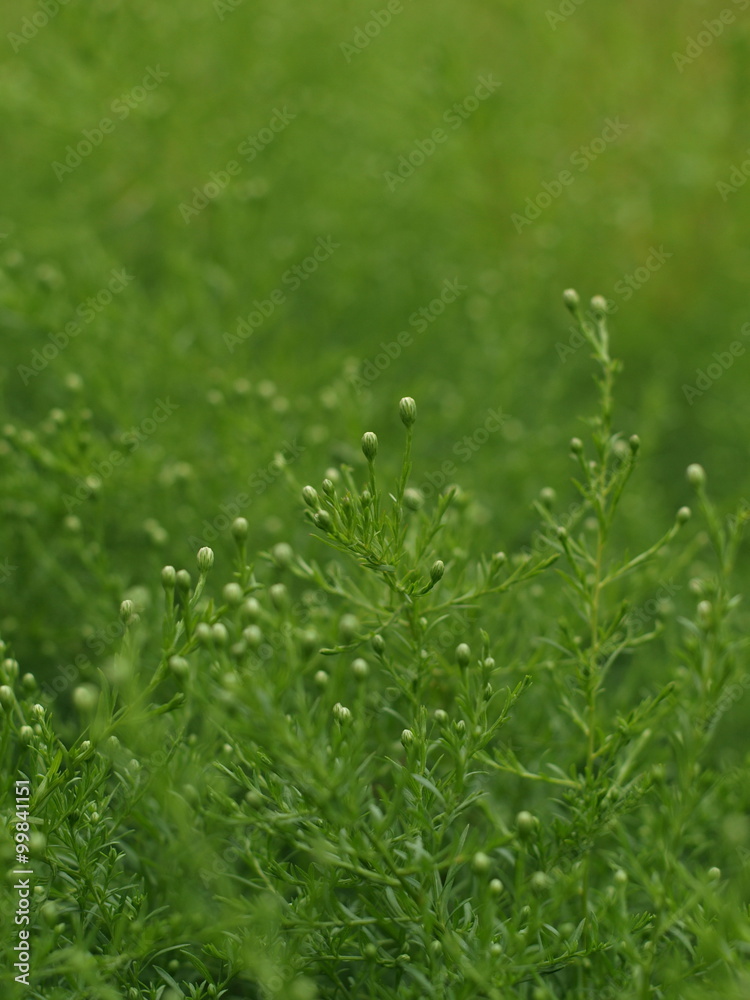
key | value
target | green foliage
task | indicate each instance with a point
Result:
(376, 763)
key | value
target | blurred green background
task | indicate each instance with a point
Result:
(168, 95)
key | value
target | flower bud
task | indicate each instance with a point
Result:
(705, 613)
(463, 654)
(219, 634)
(696, 475)
(440, 716)
(407, 409)
(526, 823)
(179, 665)
(360, 669)
(205, 559)
(310, 496)
(413, 499)
(232, 594)
(321, 678)
(576, 446)
(279, 596)
(599, 306)
(539, 881)
(369, 445)
(481, 863)
(127, 610)
(683, 515)
(378, 644)
(571, 299)
(85, 697)
(498, 559)
(341, 713)
(437, 571)
(203, 633)
(714, 873)
(253, 636)
(168, 577)
(322, 520)
(183, 579)
(496, 887)
(240, 529)
(407, 738)
(29, 682)
(6, 696)
(251, 609)
(348, 627)
(621, 877)
(283, 555)
(547, 497)
(26, 734)
(635, 443)
(328, 488)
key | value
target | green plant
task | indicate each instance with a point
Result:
(403, 771)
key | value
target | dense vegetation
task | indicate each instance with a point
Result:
(322, 694)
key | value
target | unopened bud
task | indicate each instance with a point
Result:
(407, 737)
(481, 863)
(341, 713)
(378, 644)
(413, 499)
(360, 669)
(310, 496)
(437, 571)
(279, 596)
(168, 577)
(599, 306)
(183, 579)
(576, 446)
(463, 654)
(683, 515)
(127, 610)
(369, 445)
(571, 299)
(205, 559)
(322, 520)
(232, 594)
(696, 475)
(635, 443)
(407, 409)
(240, 529)
(526, 823)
